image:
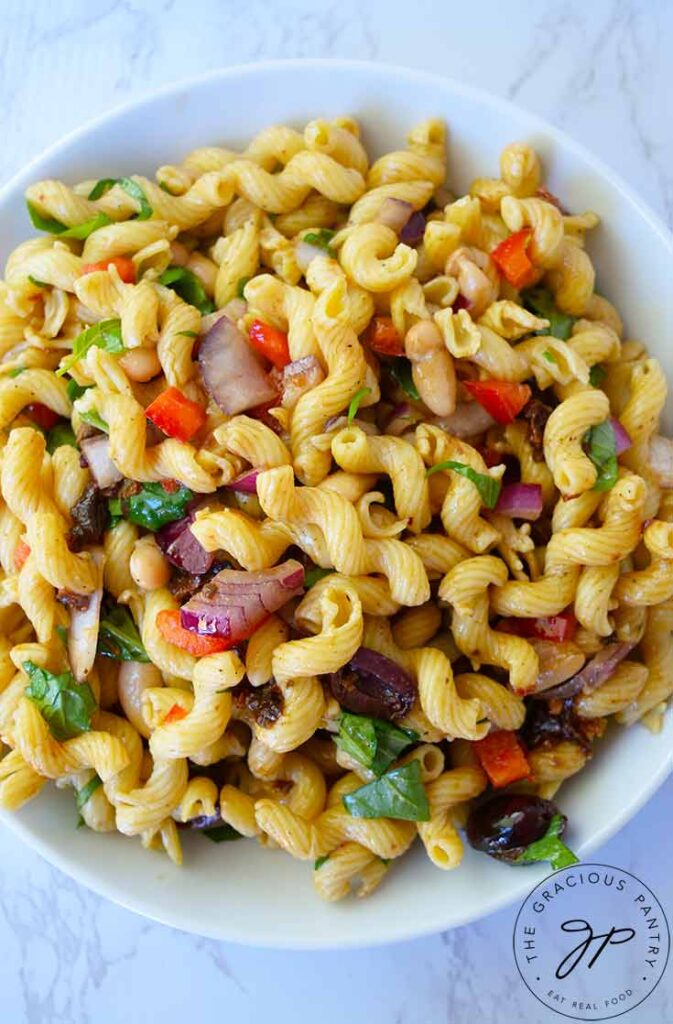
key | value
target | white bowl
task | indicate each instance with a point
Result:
(238, 891)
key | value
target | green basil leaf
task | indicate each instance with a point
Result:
(84, 794)
(82, 231)
(101, 187)
(55, 227)
(65, 705)
(373, 742)
(186, 284)
(222, 834)
(153, 506)
(549, 848)
(94, 419)
(397, 794)
(75, 390)
(601, 448)
(549, 356)
(355, 403)
(38, 284)
(118, 636)
(188, 334)
(59, 435)
(131, 187)
(541, 302)
(319, 861)
(17, 371)
(489, 489)
(107, 334)
(114, 506)
(597, 375)
(50, 224)
(400, 371)
(311, 576)
(321, 240)
(240, 287)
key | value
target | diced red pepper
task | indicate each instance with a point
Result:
(174, 714)
(170, 486)
(383, 337)
(271, 342)
(502, 757)
(125, 267)
(42, 415)
(176, 415)
(21, 552)
(503, 399)
(512, 259)
(557, 628)
(168, 624)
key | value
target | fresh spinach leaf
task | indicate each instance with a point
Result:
(397, 794)
(601, 448)
(222, 834)
(541, 302)
(321, 240)
(373, 742)
(118, 636)
(186, 284)
(153, 506)
(311, 576)
(400, 370)
(59, 435)
(83, 795)
(489, 489)
(65, 705)
(131, 187)
(549, 848)
(107, 334)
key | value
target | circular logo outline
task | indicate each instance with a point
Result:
(582, 865)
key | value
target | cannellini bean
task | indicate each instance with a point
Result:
(660, 460)
(179, 254)
(477, 278)
(134, 678)
(147, 565)
(431, 367)
(141, 364)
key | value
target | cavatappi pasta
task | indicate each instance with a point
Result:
(334, 513)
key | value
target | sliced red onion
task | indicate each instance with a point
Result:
(304, 253)
(622, 440)
(394, 213)
(83, 631)
(181, 547)
(521, 501)
(401, 419)
(594, 674)
(233, 374)
(371, 684)
(460, 302)
(660, 460)
(413, 231)
(234, 603)
(469, 419)
(246, 483)
(96, 449)
(299, 377)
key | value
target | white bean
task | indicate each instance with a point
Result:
(147, 565)
(134, 678)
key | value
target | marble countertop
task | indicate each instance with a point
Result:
(601, 71)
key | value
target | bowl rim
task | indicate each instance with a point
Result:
(400, 931)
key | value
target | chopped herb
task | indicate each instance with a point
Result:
(17, 371)
(62, 634)
(355, 403)
(59, 435)
(76, 390)
(400, 371)
(374, 743)
(549, 356)
(118, 637)
(56, 227)
(311, 576)
(188, 334)
(541, 302)
(240, 287)
(222, 834)
(164, 187)
(65, 705)
(321, 240)
(107, 334)
(186, 284)
(131, 187)
(550, 847)
(94, 419)
(115, 506)
(318, 863)
(398, 794)
(489, 489)
(38, 284)
(601, 448)
(597, 375)
(83, 795)
(153, 506)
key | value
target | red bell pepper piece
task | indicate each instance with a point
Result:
(21, 552)
(125, 267)
(512, 259)
(502, 757)
(175, 414)
(557, 628)
(174, 714)
(383, 337)
(42, 415)
(503, 399)
(168, 624)
(271, 342)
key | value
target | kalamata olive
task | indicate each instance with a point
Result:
(371, 684)
(542, 724)
(506, 824)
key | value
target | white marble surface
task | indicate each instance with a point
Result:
(599, 70)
